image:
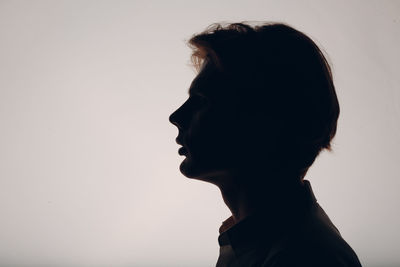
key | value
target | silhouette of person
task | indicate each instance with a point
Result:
(260, 110)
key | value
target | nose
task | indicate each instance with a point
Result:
(172, 119)
(182, 116)
(175, 118)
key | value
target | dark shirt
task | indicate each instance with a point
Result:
(301, 236)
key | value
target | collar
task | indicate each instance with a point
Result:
(260, 227)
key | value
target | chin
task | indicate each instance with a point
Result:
(187, 168)
(193, 171)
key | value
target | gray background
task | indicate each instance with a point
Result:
(88, 163)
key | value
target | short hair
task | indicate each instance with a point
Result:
(278, 69)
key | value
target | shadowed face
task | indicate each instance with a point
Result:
(208, 127)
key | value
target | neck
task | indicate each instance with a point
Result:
(245, 196)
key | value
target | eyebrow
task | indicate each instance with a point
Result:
(192, 90)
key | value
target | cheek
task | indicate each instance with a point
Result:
(212, 136)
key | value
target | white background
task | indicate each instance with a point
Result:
(88, 161)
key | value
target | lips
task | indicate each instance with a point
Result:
(182, 151)
(178, 141)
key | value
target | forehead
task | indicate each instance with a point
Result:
(209, 81)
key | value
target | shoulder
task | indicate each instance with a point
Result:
(310, 254)
(316, 242)
(311, 259)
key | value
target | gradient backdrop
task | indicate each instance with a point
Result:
(89, 169)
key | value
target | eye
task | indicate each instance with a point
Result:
(200, 101)
(197, 100)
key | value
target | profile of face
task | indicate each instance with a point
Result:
(208, 127)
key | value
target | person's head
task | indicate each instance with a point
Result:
(263, 103)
